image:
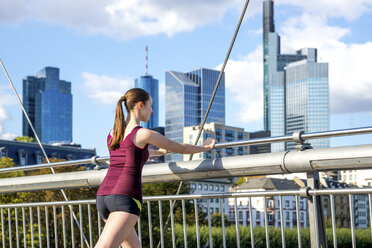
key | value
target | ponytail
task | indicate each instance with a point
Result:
(119, 125)
(130, 99)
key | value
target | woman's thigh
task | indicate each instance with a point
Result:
(118, 228)
(132, 240)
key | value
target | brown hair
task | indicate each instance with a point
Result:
(130, 99)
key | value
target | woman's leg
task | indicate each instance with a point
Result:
(131, 241)
(118, 228)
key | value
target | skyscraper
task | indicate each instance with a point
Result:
(151, 85)
(48, 102)
(294, 86)
(187, 98)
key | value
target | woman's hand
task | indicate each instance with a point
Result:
(162, 151)
(209, 143)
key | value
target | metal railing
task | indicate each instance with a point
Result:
(51, 227)
(298, 137)
(50, 223)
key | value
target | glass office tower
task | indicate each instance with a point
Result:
(186, 102)
(307, 100)
(48, 102)
(151, 85)
(277, 88)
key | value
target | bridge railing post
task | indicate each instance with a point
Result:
(318, 236)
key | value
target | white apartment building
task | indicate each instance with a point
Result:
(272, 204)
(211, 186)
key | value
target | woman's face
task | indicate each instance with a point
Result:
(147, 110)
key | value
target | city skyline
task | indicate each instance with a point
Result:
(103, 58)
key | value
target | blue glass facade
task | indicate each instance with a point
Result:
(187, 98)
(48, 102)
(307, 100)
(151, 85)
(280, 83)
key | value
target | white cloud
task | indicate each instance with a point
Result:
(6, 99)
(348, 9)
(350, 76)
(105, 89)
(243, 78)
(122, 19)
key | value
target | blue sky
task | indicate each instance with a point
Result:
(99, 47)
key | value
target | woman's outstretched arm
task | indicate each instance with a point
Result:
(154, 138)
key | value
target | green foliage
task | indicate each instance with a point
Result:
(363, 237)
(24, 139)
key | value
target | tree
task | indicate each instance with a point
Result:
(24, 139)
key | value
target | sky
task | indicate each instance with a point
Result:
(99, 47)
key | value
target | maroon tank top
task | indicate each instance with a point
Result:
(125, 171)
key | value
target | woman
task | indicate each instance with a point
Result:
(119, 197)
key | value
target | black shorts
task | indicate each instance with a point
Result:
(107, 204)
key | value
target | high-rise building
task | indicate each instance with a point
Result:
(187, 98)
(151, 85)
(296, 94)
(48, 102)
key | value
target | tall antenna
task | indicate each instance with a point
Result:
(147, 60)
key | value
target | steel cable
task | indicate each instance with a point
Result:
(41, 146)
(211, 100)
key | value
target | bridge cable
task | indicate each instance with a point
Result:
(211, 101)
(42, 148)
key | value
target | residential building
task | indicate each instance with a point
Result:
(272, 204)
(48, 103)
(360, 206)
(186, 101)
(211, 186)
(296, 91)
(151, 85)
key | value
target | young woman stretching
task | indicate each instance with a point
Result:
(119, 198)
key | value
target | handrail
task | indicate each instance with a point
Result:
(295, 138)
(308, 161)
(266, 193)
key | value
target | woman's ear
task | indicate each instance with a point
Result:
(140, 105)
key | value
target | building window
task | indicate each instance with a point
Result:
(240, 215)
(205, 186)
(22, 156)
(269, 216)
(301, 216)
(3, 152)
(200, 186)
(270, 203)
(70, 157)
(258, 215)
(301, 205)
(287, 215)
(240, 135)
(218, 134)
(222, 188)
(38, 158)
(229, 135)
(217, 210)
(217, 187)
(287, 204)
(193, 186)
(211, 187)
